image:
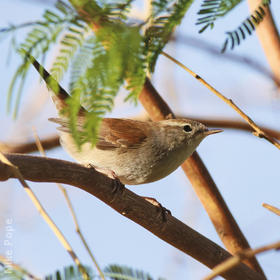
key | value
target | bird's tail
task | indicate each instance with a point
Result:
(58, 93)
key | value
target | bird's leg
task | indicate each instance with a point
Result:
(162, 210)
(118, 186)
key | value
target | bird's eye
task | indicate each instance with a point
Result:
(187, 128)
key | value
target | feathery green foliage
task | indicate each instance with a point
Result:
(117, 272)
(69, 273)
(101, 67)
(13, 275)
(113, 272)
(166, 15)
(246, 27)
(72, 39)
(117, 54)
(38, 41)
(211, 10)
(7, 271)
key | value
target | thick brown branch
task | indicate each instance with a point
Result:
(202, 182)
(130, 205)
(158, 109)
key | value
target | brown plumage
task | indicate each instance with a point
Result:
(135, 152)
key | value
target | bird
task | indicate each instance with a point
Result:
(132, 151)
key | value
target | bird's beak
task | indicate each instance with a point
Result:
(212, 131)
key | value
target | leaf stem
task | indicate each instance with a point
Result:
(257, 130)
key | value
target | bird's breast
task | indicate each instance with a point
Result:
(144, 164)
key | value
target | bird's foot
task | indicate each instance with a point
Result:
(118, 186)
(162, 210)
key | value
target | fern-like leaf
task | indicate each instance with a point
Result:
(69, 273)
(100, 68)
(10, 272)
(166, 15)
(116, 55)
(118, 11)
(102, 62)
(246, 28)
(38, 41)
(72, 40)
(117, 272)
(211, 10)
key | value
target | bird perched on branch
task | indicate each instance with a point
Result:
(134, 152)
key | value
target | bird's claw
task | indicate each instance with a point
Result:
(162, 210)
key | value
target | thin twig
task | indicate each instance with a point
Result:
(271, 208)
(252, 63)
(258, 132)
(238, 258)
(7, 263)
(45, 215)
(71, 208)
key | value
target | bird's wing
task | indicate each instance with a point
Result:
(113, 133)
(117, 133)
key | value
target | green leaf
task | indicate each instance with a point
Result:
(247, 27)
(117, 55)
(69, 273)
(166, 15)
(117, 272)
(38, 41)
(214, 9)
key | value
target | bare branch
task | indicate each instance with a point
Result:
(238, 258)
(198, 173)
(202, 182)
(128, 204)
